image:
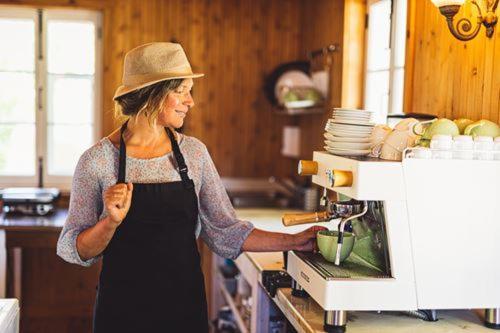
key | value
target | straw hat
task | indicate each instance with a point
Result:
(152, 63)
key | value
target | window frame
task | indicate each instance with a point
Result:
(25, 13)
(41, 17)
(398, 25)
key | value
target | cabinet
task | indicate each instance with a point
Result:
(252, 308)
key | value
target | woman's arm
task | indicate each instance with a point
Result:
(265, 241)
(227, 235)
(93, 241)
(84, 237)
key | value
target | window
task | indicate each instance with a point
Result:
(386, 41)
(49, 93)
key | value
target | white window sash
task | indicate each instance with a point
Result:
(23, 13)
(61, 182)
(398, 28)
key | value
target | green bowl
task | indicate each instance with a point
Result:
(327, 244)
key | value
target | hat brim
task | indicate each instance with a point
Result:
(123, 90)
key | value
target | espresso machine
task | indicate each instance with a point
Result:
(426, 237)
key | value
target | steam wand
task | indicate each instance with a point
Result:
(341, 227)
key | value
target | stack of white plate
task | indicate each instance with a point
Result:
(348, 132)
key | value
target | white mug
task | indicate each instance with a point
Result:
(441, 147)
(392, 147)
(441, 142)
(483, 146)
(420, 153)
(463, 147)
(496, 148)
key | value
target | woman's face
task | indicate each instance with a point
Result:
(176, 105)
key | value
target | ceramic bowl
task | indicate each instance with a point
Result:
(327, 244)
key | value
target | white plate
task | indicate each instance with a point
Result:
(347, 152)
(348, 119)
(346, 127)
(348, 134)
(334, 138)
(347, 145)
(347, 130)
(293, 78)
(352, 113)
(347, 110)
(343, 118)
(352, 109)
(299, 104)
(361, 122)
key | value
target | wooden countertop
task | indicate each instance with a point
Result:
(307, 317)
(16, 222)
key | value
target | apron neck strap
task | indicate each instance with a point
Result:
(179, 158)
(123, 156)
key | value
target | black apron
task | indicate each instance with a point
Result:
(151, 280)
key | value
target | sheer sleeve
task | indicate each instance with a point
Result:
(220, 229)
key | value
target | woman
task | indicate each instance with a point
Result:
(141, 196)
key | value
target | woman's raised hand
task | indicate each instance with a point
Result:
(117, 201)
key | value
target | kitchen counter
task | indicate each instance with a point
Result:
(307, 316)
(54, 296)
(52, 222)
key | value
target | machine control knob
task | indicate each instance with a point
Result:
(337, 178)
(307, 168)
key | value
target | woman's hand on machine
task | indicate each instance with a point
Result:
(117, 201)
(306, 240)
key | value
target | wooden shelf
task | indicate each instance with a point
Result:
(232, 305)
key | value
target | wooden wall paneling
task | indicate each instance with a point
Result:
(111, 77)
(214, 81)
(246, 67)
(253, 153)
(282, 45)
(451, 78)
(197, 53)
(488, 81)
(353, 59)
(323, 23)
(409, 55)
(273, 46)
(230, 121)
(494, 102)
(116, 32)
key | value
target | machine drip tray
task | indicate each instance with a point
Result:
(349, 269)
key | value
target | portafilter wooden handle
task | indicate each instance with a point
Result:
(303, 218)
